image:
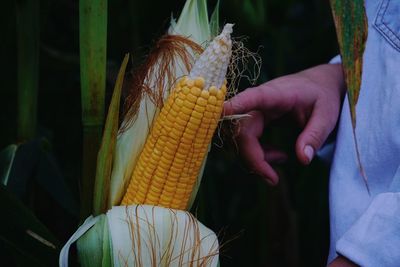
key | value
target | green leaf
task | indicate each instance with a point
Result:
(214, 21)
(7, 156)
(352, 30)
(105, 156)
(23, 232)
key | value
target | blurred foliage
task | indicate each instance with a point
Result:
(260, 226)
(24, 235)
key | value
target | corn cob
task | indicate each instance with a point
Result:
(169, 164)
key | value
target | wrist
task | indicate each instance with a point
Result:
(330, 76)
(337, 68)
(341, 261)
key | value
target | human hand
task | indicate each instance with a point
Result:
(342, 262)
(312, 97)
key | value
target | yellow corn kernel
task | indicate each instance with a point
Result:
(200, 109)
(196, 91)
(199, 82)
(223, 88)
(185, 90)
(220, 95)
(213, 91)
(196, 114)
(192, 98)
(202, 102)
(212, 101)
(189, 83)
(182, 82)
(205, 94)
(189, 105)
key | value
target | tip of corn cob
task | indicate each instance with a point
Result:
(213, 62)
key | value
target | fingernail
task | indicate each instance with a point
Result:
(309, 152)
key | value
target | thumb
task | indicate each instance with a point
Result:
(317, 130)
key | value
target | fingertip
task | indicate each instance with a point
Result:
(228, 109)
(305, 153)
(314, 135)
(309, 153)
(243, 102)
(301, 157)
(304, 149)
(272, 182)
(275, 156)
(269, 175)
(274, 178)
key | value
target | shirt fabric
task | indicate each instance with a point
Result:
(365, 227)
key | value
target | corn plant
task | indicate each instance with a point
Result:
(173, 236)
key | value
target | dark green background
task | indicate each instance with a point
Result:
(260, 226)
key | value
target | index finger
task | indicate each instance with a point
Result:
(262, 97)
(250, 147)
(252, 151)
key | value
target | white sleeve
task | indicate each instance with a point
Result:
(374, 240)
(336, 60)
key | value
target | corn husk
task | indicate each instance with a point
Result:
(143, 235)
(160, 237)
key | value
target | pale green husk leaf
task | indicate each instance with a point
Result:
(107, 147)
(95, 247)
(193, 22)
(214, 21)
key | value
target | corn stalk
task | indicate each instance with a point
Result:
(28, 66)
(93, 42)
